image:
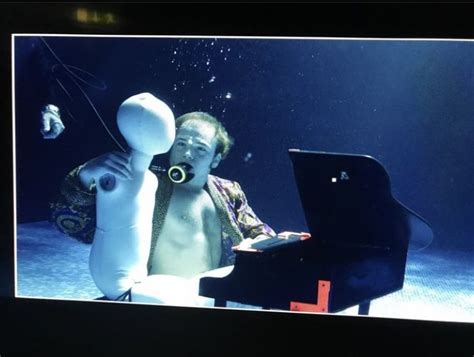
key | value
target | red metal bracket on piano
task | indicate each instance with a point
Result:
(322, 300)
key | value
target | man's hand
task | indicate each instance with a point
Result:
(51, 124)
(116, 163)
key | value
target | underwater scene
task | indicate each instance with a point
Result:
(408, 104)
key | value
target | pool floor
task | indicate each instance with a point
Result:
(438, 285)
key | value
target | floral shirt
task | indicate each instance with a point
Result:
(73, 212)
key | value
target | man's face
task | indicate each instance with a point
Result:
(195, 144)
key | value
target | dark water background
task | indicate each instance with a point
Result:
(409, 104)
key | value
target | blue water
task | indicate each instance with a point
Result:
(438, 284)
(49, 264)
(409, 104)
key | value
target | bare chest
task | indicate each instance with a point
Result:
(190, 239)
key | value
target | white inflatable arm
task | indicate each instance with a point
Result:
(121, 245)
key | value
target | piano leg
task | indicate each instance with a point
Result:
(220, 303)
(364, 308)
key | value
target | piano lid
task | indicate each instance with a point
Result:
(347, 200)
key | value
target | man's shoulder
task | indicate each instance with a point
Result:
(222, 181)
(230, 187)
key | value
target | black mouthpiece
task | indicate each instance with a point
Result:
(180, 173)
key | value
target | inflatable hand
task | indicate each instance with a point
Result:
(51, 124)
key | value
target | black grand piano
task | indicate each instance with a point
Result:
(355, 252)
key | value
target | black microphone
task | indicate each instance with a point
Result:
(180, 173)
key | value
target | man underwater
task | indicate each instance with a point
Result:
(153, 238)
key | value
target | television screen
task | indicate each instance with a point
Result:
(152, 175)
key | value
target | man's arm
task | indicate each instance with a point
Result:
(250, 225)
(73, 211)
